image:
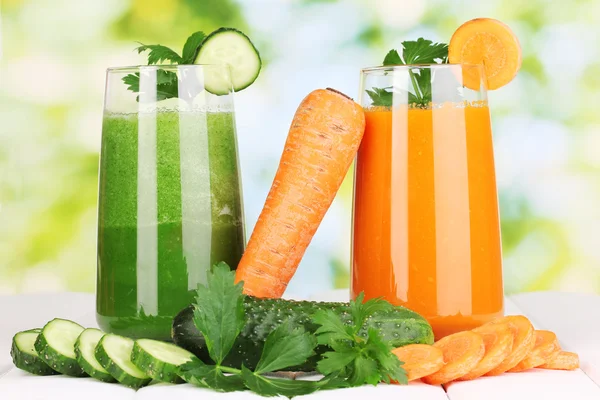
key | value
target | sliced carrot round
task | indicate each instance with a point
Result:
(462, 352)
(498, 341)
(562, 360)
(523, 342)
(420, 360)
(490, 43)
(546, 346)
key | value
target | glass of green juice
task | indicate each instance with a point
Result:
(170, 201)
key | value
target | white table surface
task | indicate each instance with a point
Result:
(574, 317)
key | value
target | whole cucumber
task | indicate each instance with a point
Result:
(400, 326)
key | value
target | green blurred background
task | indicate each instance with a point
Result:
(54, 56)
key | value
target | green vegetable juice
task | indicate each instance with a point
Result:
(169, 208)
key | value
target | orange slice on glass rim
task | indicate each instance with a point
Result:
(488, 42)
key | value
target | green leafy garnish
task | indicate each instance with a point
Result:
(210, 376)
(381, 96)
(159, 53)
(285, 347)
(421, 51)
(354, 358)
(278, 387)
(191, 47)
(219, 312)
(167, 83)
(219, 316)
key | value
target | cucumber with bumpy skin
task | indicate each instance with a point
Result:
(231, 47)
(25, 356)
(159, 360)
(85, 346)
(114, 354)
(56, 346)
(400, 326)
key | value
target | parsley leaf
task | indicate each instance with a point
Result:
(381, 97)
(342, 355)
(332, 327)
(286, 347)
(267, 386)
(219, 311)
(191, 47)
(357, 359)
(392, 58)
(360, 310)
(159, 53)
(420, 51)
(166, 84)
(424, 51)
(390, 365)
(132, 81)
(210, 376)
(364, 370)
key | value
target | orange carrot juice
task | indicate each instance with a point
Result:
(426, 229)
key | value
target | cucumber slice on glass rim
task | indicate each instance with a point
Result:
(159, 360)
(231, 47)
(56, 346)
(114, 354)
(85, 347)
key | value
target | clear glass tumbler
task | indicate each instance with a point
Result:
(426, 231)
(170, 201)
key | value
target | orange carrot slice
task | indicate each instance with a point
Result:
(462, 352)
(562, 360)
(489, 42)
(322, 142)
(420, 360)
(546, 346)
(498, 341)
(523, 342)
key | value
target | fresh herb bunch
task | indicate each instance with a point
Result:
(352, 361)
(166, 81)
(353, 358)
(420, 51)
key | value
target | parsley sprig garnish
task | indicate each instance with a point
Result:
(353, 360)
(421, 51)
(166, 81)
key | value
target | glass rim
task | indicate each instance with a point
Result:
(134, 68)
(404, 67)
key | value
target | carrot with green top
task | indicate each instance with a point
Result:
(322, 142)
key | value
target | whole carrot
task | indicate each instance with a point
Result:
(322, 142)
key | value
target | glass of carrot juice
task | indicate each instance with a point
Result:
(426, 231)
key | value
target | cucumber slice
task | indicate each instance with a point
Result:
(159, 360)
(114, 354)
(56, 346)
(85, 346)
(228, 46)
(25, 356)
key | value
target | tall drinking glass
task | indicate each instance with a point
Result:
(426, 229)
(169, 193)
